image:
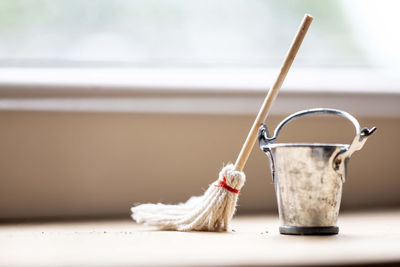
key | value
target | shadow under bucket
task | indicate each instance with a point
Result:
(308, 178)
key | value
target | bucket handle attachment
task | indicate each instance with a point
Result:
(343, 155)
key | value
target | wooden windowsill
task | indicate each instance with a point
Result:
(252, 240)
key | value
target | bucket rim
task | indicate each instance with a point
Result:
(323, 145)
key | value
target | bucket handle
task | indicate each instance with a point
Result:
(359, 140)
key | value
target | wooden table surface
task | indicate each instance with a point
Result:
(252, 240)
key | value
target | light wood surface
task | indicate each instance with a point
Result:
(272, 93)
(252, 240)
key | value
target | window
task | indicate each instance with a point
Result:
(203, 46)
(198, 33)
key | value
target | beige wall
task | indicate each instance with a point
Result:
(97, 164)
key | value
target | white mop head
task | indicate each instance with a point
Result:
(209, 212)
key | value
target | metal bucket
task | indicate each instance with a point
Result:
(308, 177)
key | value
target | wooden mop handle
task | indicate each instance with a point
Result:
(272, 93)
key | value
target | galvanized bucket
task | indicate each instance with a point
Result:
(308, 177)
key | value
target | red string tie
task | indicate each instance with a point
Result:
(226, 186)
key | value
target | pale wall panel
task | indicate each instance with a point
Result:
(97, 164)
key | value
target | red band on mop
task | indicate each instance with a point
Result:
(227, 187)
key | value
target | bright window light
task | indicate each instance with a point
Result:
(197, 33)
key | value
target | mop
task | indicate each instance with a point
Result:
(215, 208)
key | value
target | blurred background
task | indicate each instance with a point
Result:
(177, 33)
(108, 103)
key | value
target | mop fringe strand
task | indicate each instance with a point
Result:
(210, 212)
